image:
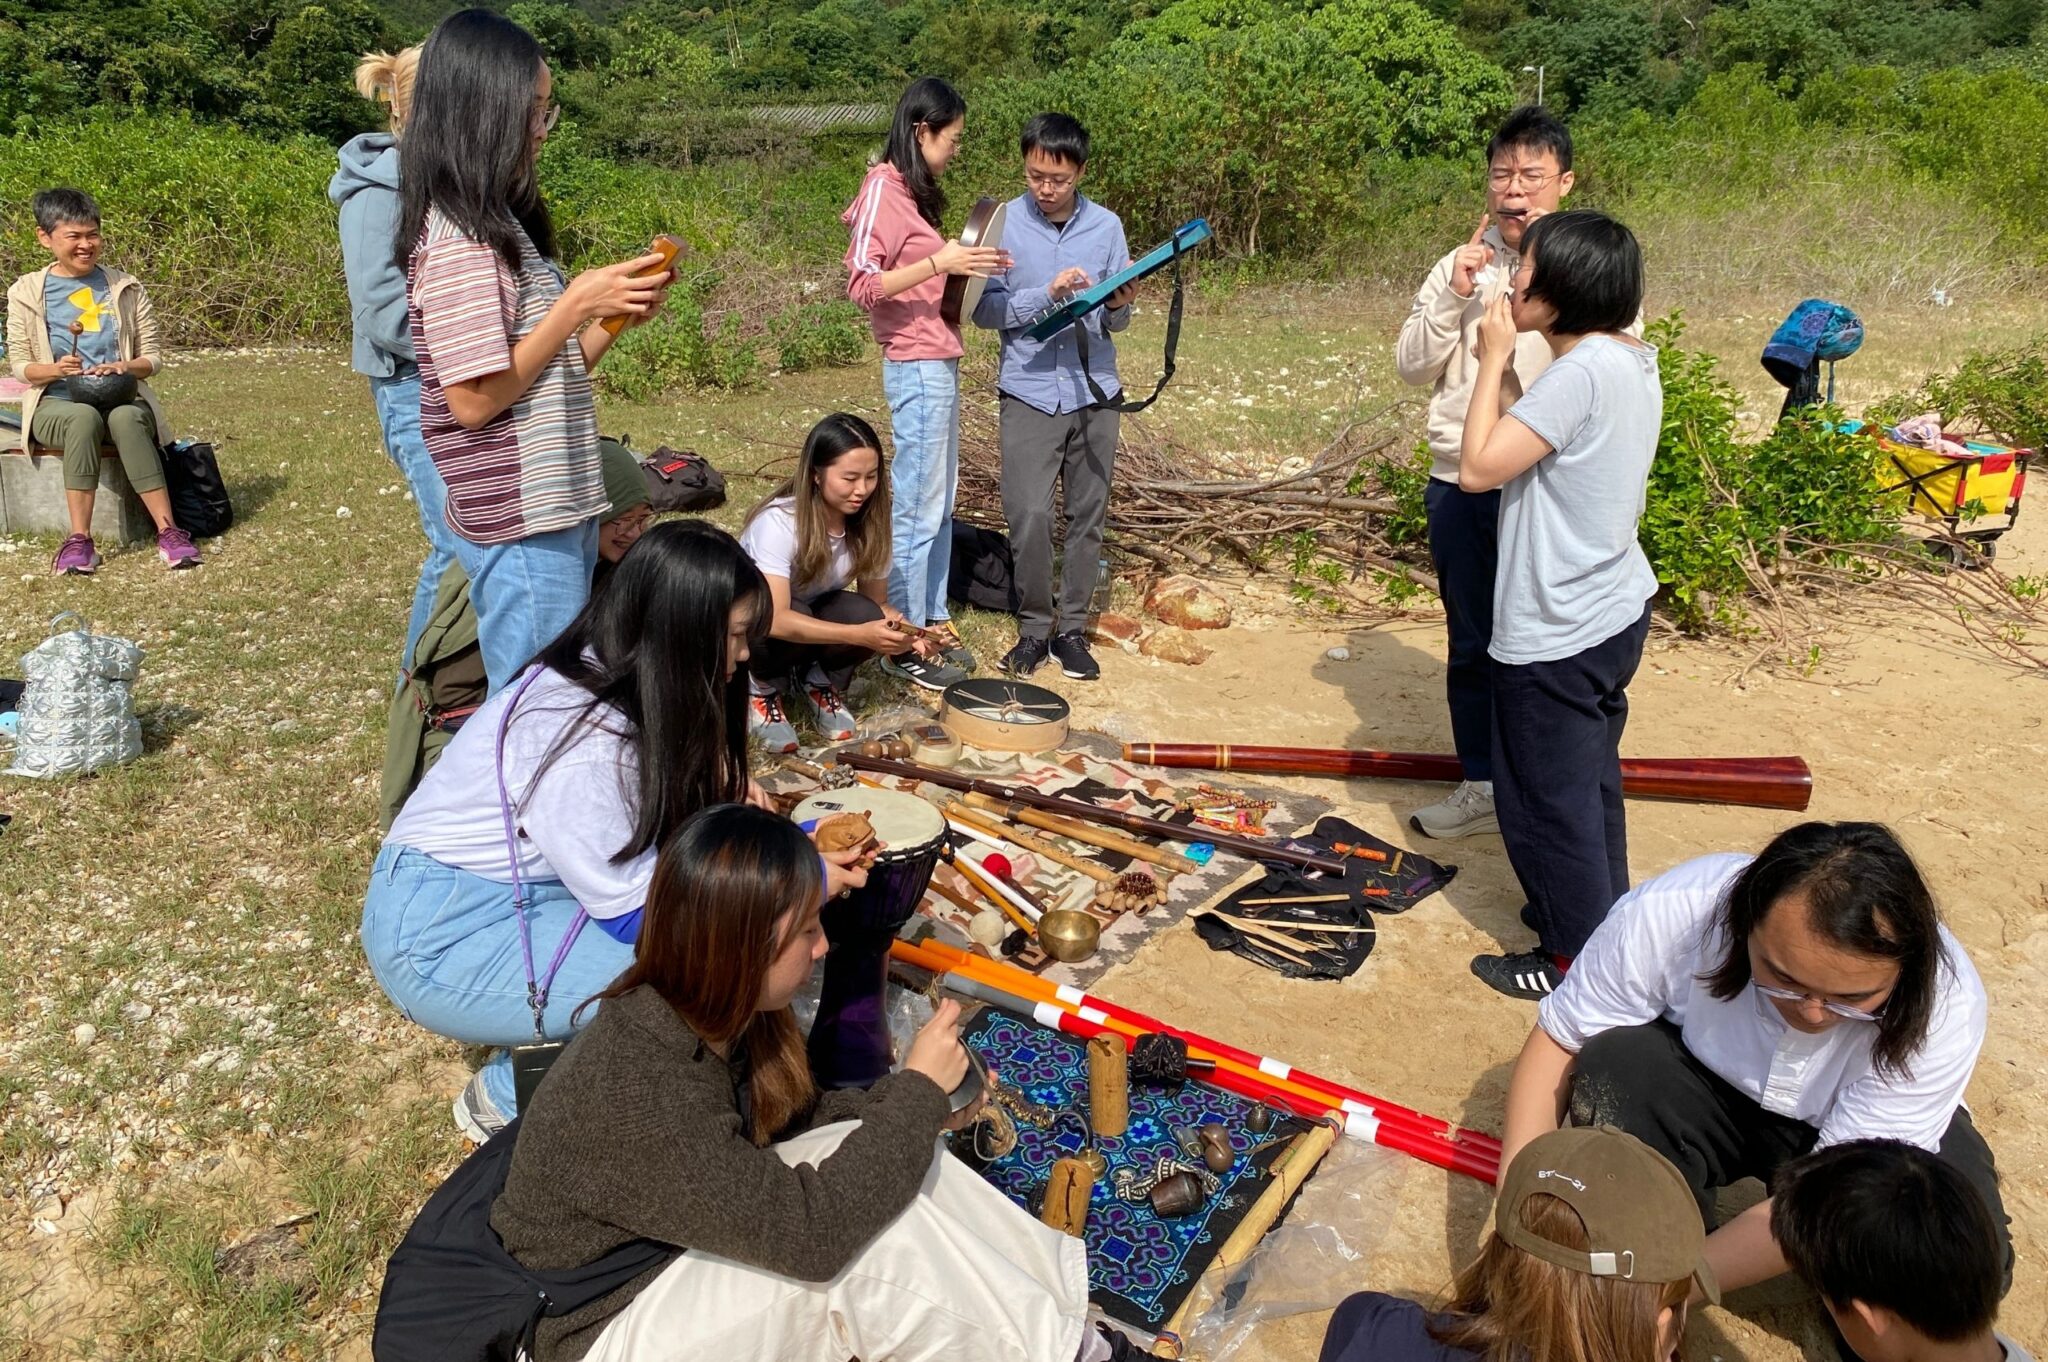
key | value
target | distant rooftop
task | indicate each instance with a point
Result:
(817, 118)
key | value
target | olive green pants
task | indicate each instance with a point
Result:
(80, 431)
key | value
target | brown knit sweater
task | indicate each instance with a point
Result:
(637, 1133)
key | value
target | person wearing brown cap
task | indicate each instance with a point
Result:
(1596, 1250)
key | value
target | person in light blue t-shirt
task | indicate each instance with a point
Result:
(1571, 595)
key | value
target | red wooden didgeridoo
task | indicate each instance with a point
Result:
(1760, 782)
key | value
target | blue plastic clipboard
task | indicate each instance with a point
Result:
(1158, 258)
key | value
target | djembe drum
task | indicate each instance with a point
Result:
(849, 1042)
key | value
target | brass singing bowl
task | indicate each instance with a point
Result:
(1069, 935)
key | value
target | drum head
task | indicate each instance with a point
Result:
(903, 822)
(984, 227)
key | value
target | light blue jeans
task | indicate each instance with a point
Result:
(398, 414)
(924, 418)
(526, 592)
(444, 945)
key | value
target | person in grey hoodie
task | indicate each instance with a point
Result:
(365, 189)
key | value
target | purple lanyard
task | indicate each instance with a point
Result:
(536, 990)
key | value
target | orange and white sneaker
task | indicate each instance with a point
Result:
(768, 725)
(835, 720)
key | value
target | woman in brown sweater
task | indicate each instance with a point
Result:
(813, 1228)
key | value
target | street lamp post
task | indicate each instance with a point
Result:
(1537, 72)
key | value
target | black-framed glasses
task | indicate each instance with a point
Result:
(1526, 178)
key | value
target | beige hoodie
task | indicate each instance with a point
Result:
(28, 342)
(1439, 345)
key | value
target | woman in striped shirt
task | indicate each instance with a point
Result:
(505, 346)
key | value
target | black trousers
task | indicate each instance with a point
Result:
(778, 658)
(1464, 543)
(1643, 1080)
(1557, 782)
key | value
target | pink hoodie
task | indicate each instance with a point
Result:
(889, 232)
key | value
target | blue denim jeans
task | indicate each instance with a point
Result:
(398, 414)
(525, 593)
(924, 419)
(444, 945)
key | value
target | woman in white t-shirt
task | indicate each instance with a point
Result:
(1735, 1013)
(1572, 589)
(822, 541)
(558, 793)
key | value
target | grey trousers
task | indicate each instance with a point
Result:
(1077, 451)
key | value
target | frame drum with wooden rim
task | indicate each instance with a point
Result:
(963, 291)
(1004, 716)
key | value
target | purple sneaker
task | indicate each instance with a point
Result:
(176, 548)
(78, 558)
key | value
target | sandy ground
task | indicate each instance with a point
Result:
(1901, 726)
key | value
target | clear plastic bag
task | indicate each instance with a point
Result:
(1311, 1262)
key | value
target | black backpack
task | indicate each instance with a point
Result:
(982, 572)
(199, 496)
(452, 1293)
(680, 479)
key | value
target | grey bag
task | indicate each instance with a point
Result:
(77, 714)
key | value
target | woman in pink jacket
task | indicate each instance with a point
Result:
(896, 264)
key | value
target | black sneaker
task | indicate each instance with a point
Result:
(1529, 975)
(1027, 657)
(1071, 648)
(932, 674)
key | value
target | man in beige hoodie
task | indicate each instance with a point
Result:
(1529, 172)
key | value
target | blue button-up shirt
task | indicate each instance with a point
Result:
(1047, 374)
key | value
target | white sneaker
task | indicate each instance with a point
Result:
(1468, 809)
(476, 1116)
(835, 720)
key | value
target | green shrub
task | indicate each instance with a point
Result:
(678, 350)
(1997, 395)
(819, 336)
(1718, 509)
(232, 235)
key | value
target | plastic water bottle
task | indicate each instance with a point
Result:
(1105, 586)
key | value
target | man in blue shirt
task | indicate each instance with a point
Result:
(1054, 428)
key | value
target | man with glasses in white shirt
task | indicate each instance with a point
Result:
(1736, 1013)
(1529, 173)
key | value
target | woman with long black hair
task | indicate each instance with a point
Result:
(896, 264)
(1739, 1011)
(525, 854)
(504, 345)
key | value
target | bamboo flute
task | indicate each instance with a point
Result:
(1089, 813)
(1758, 782)
(1037, 846)
(1171, 861)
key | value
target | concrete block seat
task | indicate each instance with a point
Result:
(32, 488)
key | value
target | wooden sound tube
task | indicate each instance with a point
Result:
(1757, 782)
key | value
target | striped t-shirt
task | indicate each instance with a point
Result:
(534, 467)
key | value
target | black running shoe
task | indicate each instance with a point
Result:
(931, 673)
(1027, 657)
(1071, 648)
(1529, 975)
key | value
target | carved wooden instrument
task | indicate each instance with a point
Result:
(963, 291)
(670, 249)
(1758, 782)
(1090, 813)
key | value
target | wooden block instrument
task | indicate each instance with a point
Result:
(670, 249)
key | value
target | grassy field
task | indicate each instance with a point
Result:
(192, 1051)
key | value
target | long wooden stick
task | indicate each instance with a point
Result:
(1263, 938)
(1090, 813)
(1037, 846)
(1081, 832)
(1760, 782)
